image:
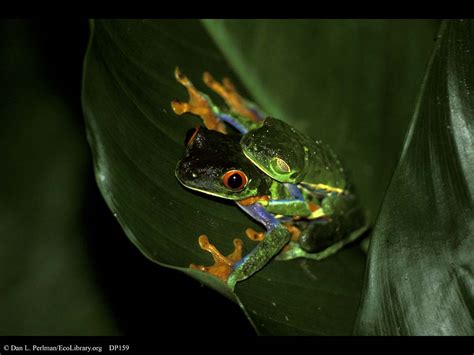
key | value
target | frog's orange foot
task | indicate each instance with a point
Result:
(254, 235)
(198, 104)
(223, 265)
(251, 200)
(292, 245)
(228, 92)
(294, 231)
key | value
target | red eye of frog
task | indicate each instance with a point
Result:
(235, 180)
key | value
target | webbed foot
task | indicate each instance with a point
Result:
(294, 231)
(232, 98)
(223, 265)
(252, 234)
(198, 104)
(295, 234)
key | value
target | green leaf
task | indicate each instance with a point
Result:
(351, 83)
(420, 276)
(327, 88)
(48, 284)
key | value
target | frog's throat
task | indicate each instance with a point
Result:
(207, 192)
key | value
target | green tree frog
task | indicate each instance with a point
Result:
(293, 186)
(215, 164)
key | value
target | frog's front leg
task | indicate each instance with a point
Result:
(287, 199)
(236, 103)
(213, 117)
(276, 237)
(198, 104)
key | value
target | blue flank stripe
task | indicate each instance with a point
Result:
(230, 120)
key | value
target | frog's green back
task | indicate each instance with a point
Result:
(323, 167)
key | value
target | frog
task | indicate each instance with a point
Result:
(277, 148)
(243, 115)
(321, 215)
(215, 165)
(290, 157)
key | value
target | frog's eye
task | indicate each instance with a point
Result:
(235, 180)
(190, 135)
(280, 166)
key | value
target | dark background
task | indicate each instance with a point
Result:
(140, 297)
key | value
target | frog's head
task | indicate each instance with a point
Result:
(278, 150)
(214, 164)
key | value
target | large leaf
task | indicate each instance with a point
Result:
(136, 140)
(47, 282)
(351, 83)
(421, 267)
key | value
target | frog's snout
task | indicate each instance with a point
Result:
(182, 171)
(177, 171)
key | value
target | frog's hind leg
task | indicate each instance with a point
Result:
(223, 265)
(294, 249)
(275, 239)
(198, 104)
(322, 237)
